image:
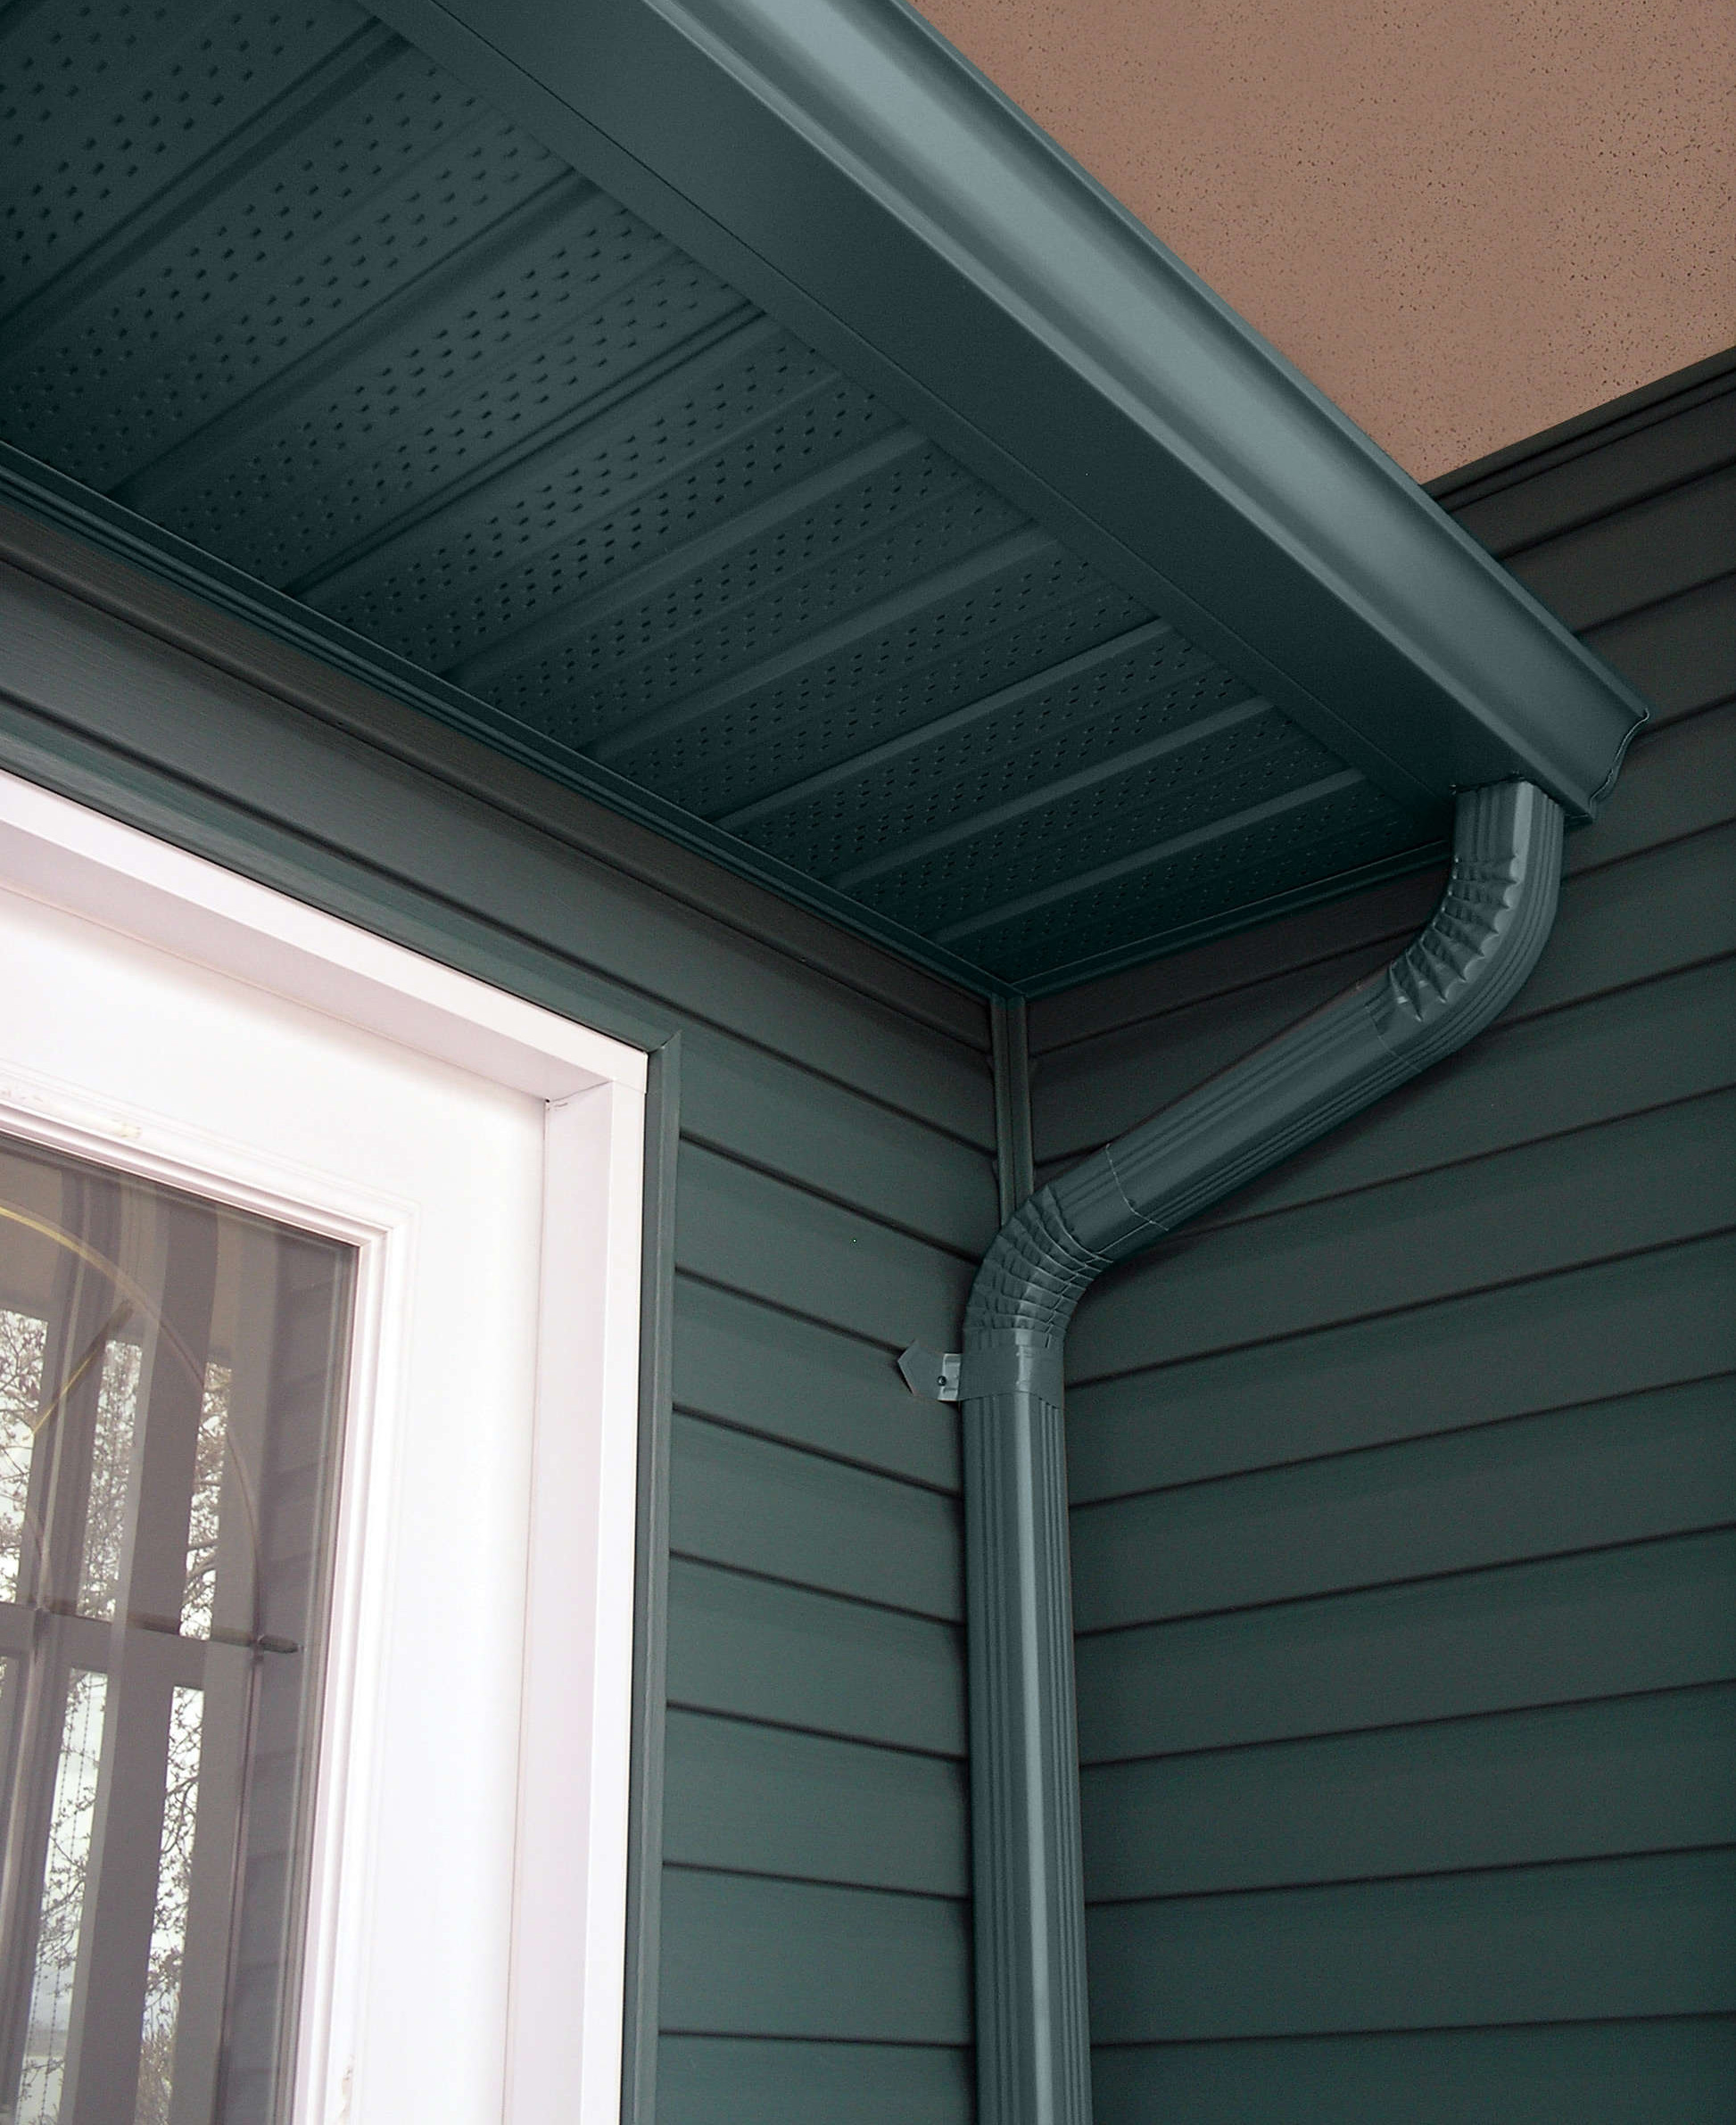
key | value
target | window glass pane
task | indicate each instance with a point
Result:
(22, 1340)
(170, 1377)
(211, 1457)
(162, 1989)
(60, 1915)
(110, 1464)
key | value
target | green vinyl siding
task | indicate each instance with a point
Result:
(779, 1655)
(834, 1184)
(778, 1800)
(716, 2080)
(1546, 2074)
(1404, 1484)
(755, 1956)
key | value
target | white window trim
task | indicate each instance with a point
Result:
(566, 1980)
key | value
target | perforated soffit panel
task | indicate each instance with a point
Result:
(292, 311)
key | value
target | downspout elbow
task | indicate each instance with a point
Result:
(1462, 971)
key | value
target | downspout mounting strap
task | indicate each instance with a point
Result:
(1015, 1361)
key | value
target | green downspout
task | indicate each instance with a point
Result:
(1033, 2033)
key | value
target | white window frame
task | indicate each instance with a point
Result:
(566, 1983)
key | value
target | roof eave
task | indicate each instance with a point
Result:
(839, 162)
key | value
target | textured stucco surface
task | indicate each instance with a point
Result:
(1465, 221)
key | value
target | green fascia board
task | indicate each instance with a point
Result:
(852, 174)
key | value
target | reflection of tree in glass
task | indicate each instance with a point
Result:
(23, 1341)
(197, 1609)
(110, 1466)
(70, 1823)
(162, 1985)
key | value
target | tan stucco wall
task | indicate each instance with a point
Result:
(1465, 219)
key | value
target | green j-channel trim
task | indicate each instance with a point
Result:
(650, 1634)
(53, 497)
(852, 174)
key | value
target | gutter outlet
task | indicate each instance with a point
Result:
(1033, 2033)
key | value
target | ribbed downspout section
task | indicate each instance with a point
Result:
(1033, 2031)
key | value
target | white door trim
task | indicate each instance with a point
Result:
(565, 1982)
(75, 858)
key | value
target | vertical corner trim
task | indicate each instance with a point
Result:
(1012, 1127)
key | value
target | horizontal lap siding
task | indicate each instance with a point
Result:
(1546, 2074)
(816, 1835)
(712, 2080)
(834, 1183)
(1404, 1485)
(815, 1916)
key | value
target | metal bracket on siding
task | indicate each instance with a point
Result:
(932, 1372)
